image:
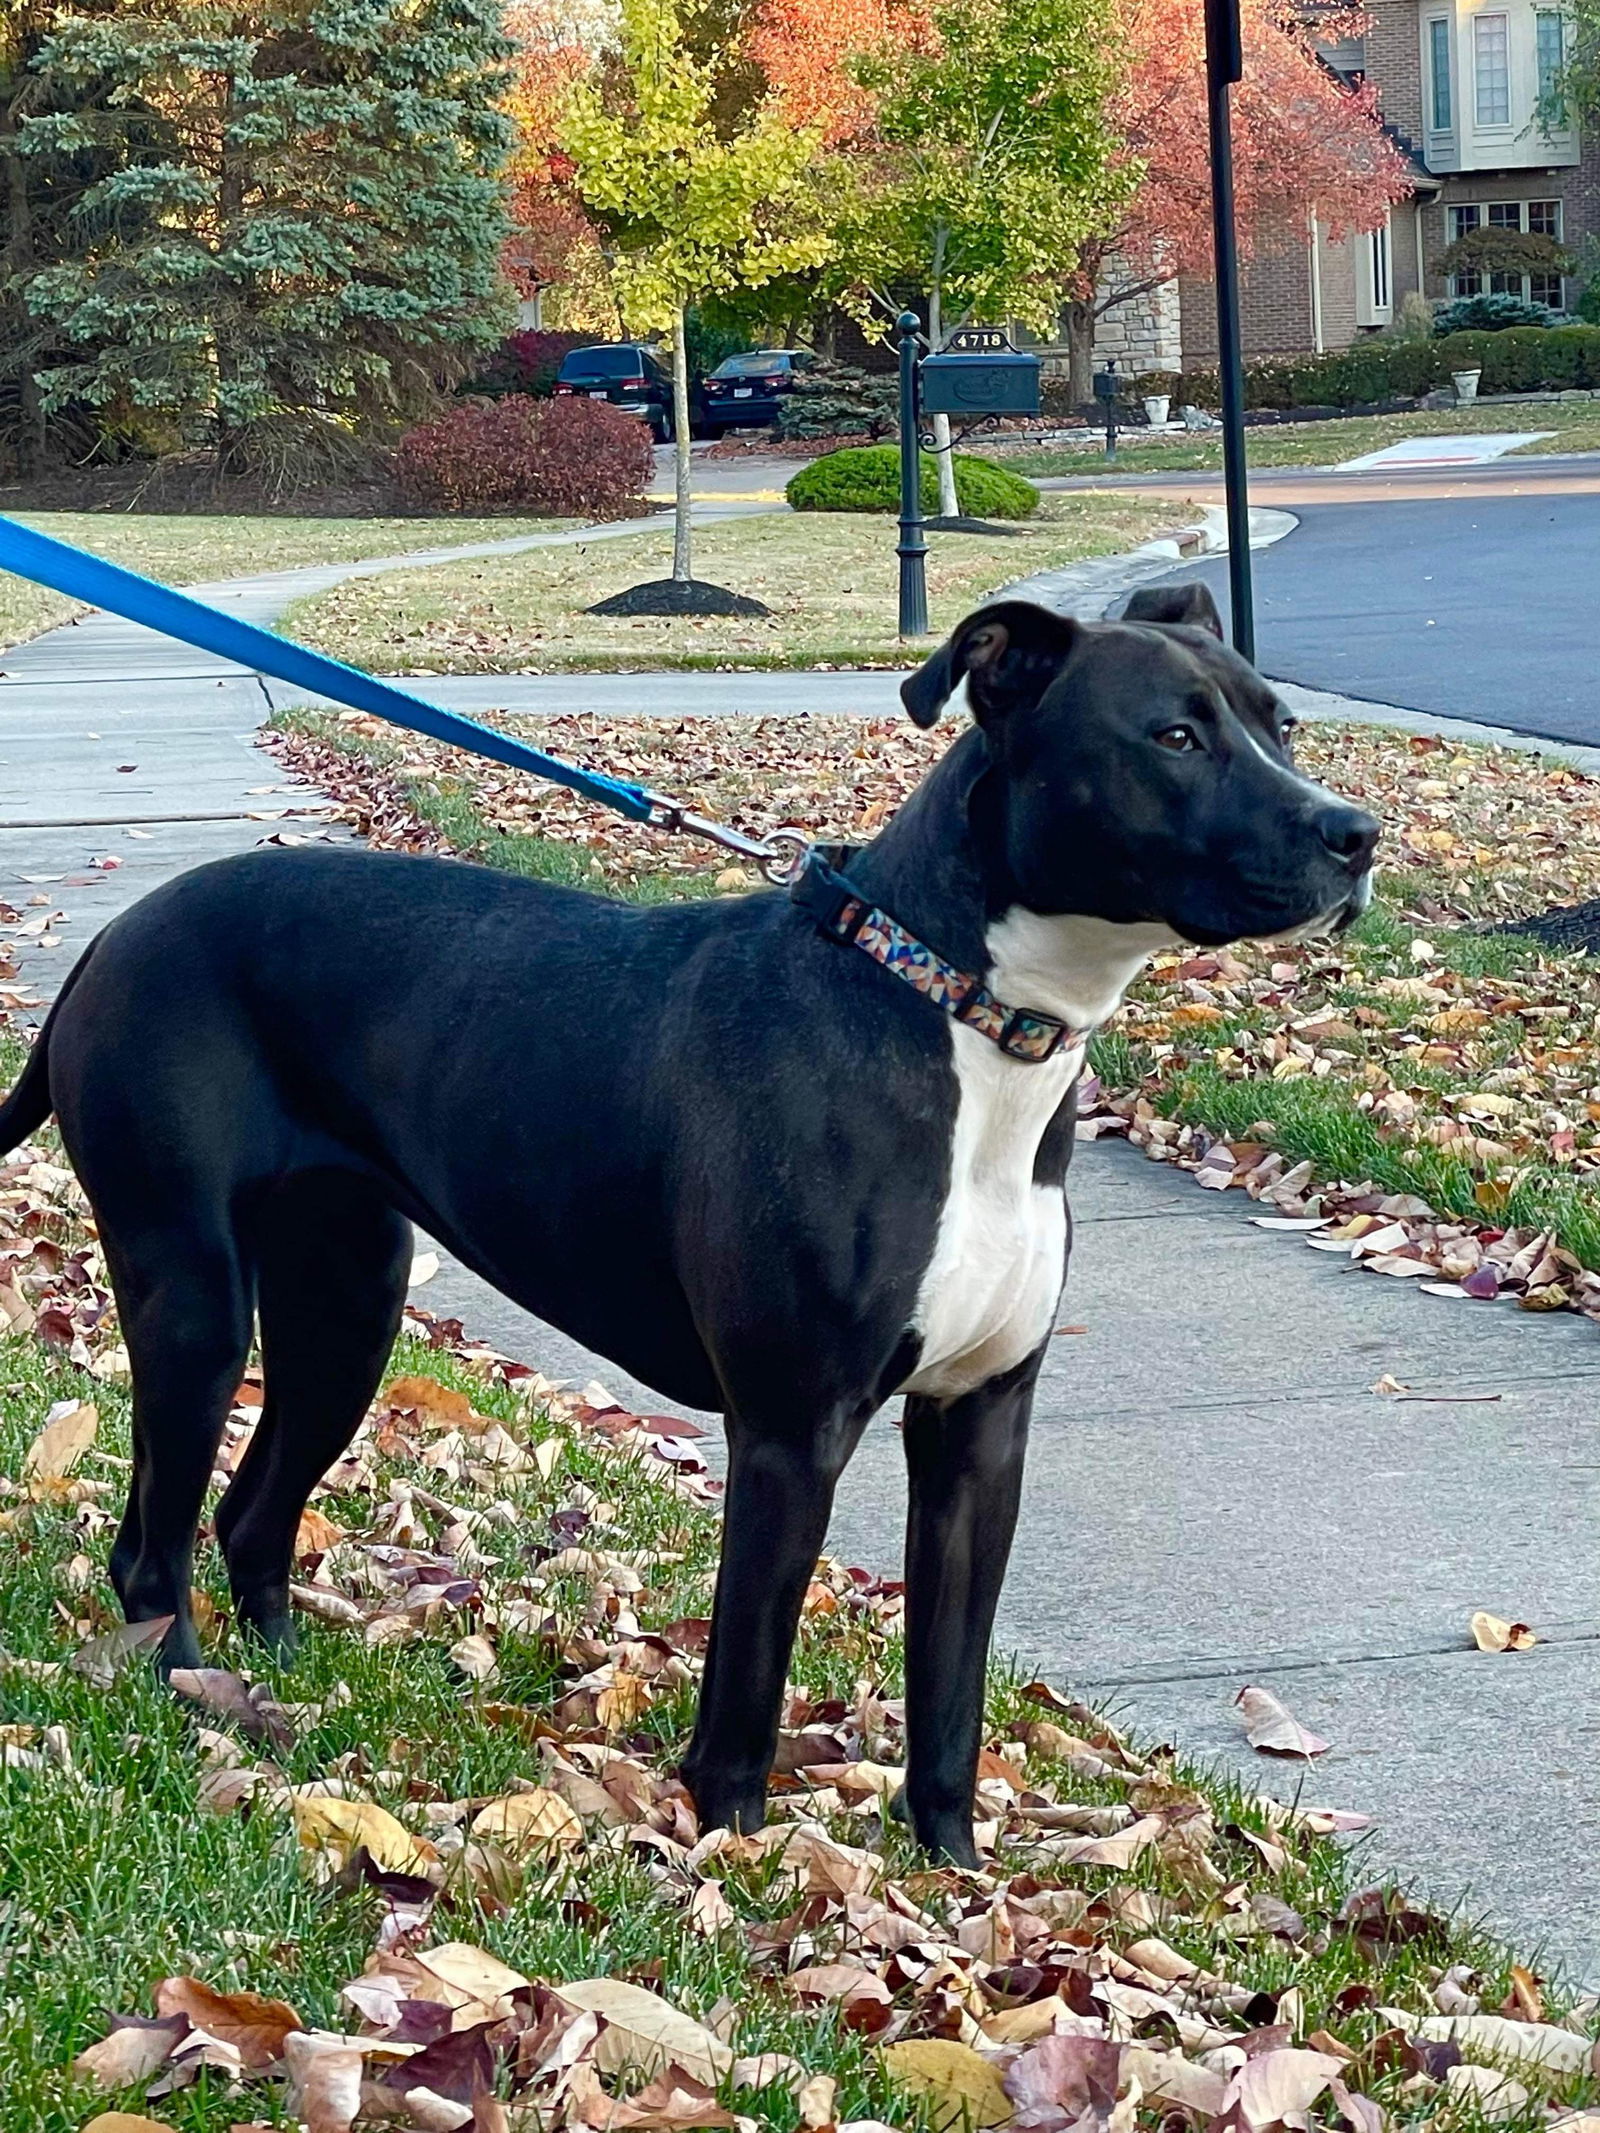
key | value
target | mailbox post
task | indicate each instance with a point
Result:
(977, 373)
(1105, 391)
(913, 546)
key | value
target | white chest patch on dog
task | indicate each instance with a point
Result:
(992, 1285)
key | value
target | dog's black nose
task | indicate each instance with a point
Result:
(1349, 833)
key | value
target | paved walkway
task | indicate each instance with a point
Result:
(1216, 1496)
(121, 744)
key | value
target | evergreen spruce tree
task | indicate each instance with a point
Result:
(41, 196)
(317, 242)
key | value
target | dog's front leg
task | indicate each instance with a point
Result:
(965, 1459)
(779, 1494)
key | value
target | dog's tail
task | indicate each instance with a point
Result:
(30, 1102)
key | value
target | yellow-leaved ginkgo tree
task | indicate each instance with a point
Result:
(692, 205)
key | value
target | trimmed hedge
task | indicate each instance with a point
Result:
(867, 478)
(1513, 360)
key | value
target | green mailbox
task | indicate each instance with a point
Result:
(979, 373)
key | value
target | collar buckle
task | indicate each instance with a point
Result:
(1030, 1036)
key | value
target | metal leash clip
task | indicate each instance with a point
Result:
(779, 855)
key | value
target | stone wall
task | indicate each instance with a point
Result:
(1144, 333)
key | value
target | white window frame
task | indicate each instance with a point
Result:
(1487, 20)
(1374, 277)
(1440, 80)
(1542, 15)
(1480, 212)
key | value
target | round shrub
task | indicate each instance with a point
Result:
(1489, 314)
(867, 478)
(562, 458)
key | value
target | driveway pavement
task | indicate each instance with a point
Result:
(1216, 1495)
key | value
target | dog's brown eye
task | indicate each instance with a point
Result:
(1180, 739)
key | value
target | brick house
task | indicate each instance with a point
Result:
(1459, 84)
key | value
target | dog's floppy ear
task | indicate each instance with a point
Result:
(1007, 654)
(1175, 603)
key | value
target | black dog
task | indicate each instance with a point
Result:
(712, 1140)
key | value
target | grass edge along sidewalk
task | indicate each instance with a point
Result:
(440, 1874)
(1425, 1088)
(190, 548)
(1316, 444)
(828, 578)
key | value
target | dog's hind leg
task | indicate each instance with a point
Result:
(333, 1262)
(779, 1494)
(964, 1458)
(185, 1312)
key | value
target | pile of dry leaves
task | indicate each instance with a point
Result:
(1103, 1971)
(1493, 1075)
(1469, 833)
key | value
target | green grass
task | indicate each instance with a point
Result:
(1321, 1119)
(192, 549)
(829, 579)
(112, 1874)
(1319, 444)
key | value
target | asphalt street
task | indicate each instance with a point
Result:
(1469, 596)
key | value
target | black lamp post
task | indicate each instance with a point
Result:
(913, 545)
(1105, 391)
(1225, 65)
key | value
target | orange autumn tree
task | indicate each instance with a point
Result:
(1304, 141)
(556, 244)
(808, 51)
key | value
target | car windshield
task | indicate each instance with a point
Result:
(759, 365)
(603, 363)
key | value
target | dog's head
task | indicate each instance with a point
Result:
(1145, 775)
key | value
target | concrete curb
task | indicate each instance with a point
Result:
(1357, 711)
(1087, 589)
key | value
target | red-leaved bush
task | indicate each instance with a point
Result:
(562, 458)
(534, 357)
(527, 362)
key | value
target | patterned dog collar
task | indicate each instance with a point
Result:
(842, 912)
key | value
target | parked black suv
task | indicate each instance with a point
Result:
(747, 388)
(625, 373)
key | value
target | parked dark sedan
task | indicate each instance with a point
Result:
(625, 373)
(747, 389)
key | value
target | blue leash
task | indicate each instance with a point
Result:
(158, 607)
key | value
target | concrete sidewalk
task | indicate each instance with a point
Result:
(1215, 1496)
(121, 744)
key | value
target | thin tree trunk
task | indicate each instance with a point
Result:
(943, 456)
(18, 260)
(1080, 350)
(231, 432)
(680, 424)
